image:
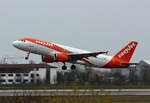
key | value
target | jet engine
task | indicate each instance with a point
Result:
(47, 59)
(58, 57)
(61, 57)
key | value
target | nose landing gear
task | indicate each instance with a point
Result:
(27, 57)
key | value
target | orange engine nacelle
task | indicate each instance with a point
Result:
(61, 57)
(47, 59)
(58, 58)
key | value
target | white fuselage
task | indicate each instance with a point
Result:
(98, 61)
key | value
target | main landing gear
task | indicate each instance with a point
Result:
(73, 67)
(27, 57)
(64, 67)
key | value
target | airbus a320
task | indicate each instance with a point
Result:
(52, 52)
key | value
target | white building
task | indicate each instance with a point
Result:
(24, 73)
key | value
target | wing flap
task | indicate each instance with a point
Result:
(74, 57)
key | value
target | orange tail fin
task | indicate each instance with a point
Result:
(126, 53)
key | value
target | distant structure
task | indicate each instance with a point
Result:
(5, 58)
(144, 64)
(25, 73)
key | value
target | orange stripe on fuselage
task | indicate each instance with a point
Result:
(48, 44)
(53, 46)
(86, 61)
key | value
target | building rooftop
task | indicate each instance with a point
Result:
(13, 68)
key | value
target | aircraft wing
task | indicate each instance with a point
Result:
(74, 57)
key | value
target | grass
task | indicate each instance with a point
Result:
(131, 99)
(79, 99)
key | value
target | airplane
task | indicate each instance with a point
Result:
(52, 52)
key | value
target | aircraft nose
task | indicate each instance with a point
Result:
(15, 43)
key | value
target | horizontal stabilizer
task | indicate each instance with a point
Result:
(128, 64)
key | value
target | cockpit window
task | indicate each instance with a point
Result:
(21, 40)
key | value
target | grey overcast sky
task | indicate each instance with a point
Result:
(94, 25)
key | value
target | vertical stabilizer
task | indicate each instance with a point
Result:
(126, 53)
